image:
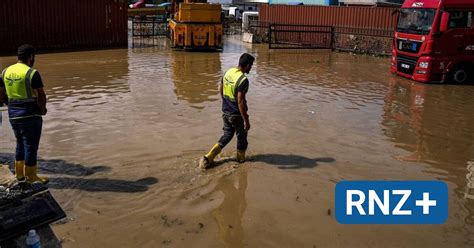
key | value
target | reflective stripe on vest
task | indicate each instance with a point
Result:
(231, 81)
(17, 79)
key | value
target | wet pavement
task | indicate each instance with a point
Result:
(125, 129)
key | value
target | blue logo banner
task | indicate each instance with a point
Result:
(391, 202)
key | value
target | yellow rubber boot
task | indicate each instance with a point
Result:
(215, 150)
(20, 170)
(31, 175)
(240, 156)
(208, 159)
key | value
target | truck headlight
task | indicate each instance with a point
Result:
(424, 65)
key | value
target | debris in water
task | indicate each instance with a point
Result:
(169, 223)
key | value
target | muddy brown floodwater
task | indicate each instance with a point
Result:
(125, 130)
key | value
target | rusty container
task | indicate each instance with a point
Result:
(52, 24)
(355, 17)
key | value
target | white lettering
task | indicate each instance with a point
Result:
(374, 198)
(358, 204)
(426, 203)
(397, 210)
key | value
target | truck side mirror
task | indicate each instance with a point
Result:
(443, 27)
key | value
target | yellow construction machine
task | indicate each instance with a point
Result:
(196, 24)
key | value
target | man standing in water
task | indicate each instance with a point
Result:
(233, 88)
(21, 88)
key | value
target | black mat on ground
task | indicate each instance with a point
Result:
(24, 207)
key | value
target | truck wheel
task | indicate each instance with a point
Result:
(460, 75)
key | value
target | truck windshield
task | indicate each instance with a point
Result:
(415, 21)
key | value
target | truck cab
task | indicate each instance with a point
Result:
(434, 41)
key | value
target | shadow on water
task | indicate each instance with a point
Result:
(57, 166)
(222, 161)
(290, 161)
(282, 161)
(102, 184)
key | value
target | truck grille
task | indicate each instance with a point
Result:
(406, 64)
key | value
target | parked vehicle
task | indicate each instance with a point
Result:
(136, 4)
(196, 24)
(434, 41)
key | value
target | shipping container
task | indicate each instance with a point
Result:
(304, 2)
(353, 17)
(397, 3)
(52, 24)
(358, 29)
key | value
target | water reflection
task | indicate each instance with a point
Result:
(230, 213)
(84, 76)
(470, 181)
(434, 124)
(322, 76)
(89, 78)
(196, 76)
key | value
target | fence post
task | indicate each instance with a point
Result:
(270, 36)
(333, 37)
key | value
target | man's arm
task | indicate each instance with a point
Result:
(3, 92)
(37, 85)
(221, 88)
(3, 96)
(41, 99)
(242, 102)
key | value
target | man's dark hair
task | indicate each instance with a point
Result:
(246, 59)
(25, 51)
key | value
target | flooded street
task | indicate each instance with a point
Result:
(125, 130)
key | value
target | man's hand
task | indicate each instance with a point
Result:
(247, 125)
(41, 100)
(3, 96)
(242, 103)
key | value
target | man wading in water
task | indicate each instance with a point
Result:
(233, 88)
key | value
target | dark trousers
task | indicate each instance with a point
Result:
(234, 124)
(28, 133)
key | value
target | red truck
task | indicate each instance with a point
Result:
(434, 41)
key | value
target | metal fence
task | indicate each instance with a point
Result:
(282, 36)
(149, 27)
(232, 26)
(359, 29)
(147, 31)
(287, 36)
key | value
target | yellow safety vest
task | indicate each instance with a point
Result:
(17, 80)
(231, 81)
